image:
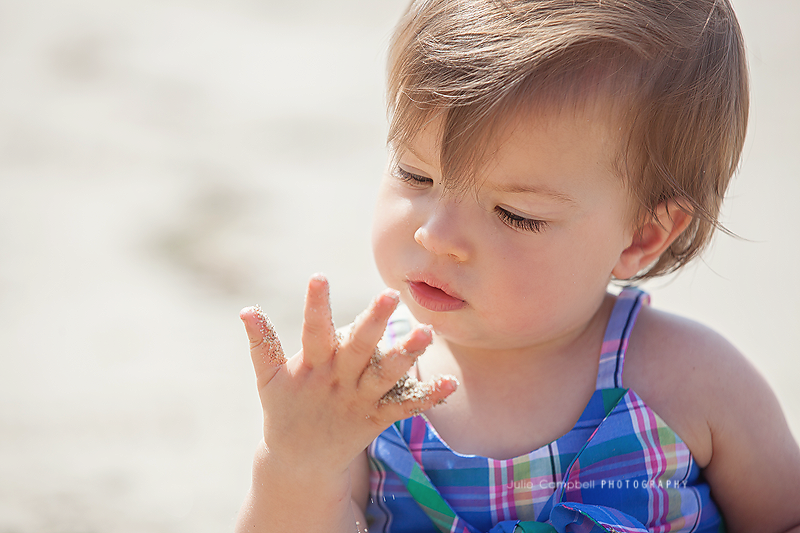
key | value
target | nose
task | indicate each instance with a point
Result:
(443, 232)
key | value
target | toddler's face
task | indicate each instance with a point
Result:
(522, 258)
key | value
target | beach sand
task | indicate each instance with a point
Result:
(165, 164)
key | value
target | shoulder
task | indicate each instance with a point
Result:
(683, 370)
(688, 374)
(724, 410)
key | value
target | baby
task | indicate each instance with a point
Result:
(539, 149)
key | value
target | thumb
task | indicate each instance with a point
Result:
(265, 347)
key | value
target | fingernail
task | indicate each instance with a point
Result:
(426, 330)
(244, 311)
(392, 294)
(447, 381)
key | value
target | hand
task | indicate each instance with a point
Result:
(326, 404)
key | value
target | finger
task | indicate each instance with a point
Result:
(265, 347)
(410, 397)
(385, 370)
(318, 337)
(356, 351)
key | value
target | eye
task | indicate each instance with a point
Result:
(415, 180)
(515, 221)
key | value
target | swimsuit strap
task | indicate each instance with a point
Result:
(615, 340)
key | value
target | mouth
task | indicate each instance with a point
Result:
(433, 297)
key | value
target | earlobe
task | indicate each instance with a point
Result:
(658, 231)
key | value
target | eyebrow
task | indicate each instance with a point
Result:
(539, 191)
(410, 149)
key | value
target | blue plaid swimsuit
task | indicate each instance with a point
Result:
(621, 468)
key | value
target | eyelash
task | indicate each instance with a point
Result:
(510, 219)
(518, 222)
(412, 179)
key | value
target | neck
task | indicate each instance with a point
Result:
(519, 393)
(481, 368)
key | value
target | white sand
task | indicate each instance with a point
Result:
(165, 163)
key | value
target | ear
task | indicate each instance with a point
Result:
(656, 233)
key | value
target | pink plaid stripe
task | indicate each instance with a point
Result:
(501, 505)
(646, 425)
(417, 438)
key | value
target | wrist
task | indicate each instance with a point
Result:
(286, 497)
(276, 474)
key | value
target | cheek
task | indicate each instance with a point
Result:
(594, 251)
(606, 240)
(382, 245)
(557, 265)
(523, 275)
(389, 230)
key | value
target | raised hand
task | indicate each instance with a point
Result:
(324, 405)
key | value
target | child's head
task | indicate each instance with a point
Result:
(669, 75)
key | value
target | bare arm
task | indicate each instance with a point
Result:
(359, 476)
(726, 413)
(754, 470)
(282, 499)
(321, 410)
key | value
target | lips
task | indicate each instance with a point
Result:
(434, 296)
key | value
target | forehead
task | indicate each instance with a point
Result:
(526, 141)
(570, 137)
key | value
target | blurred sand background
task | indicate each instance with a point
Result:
(165, 163)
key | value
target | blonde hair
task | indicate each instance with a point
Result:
(674, 72)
